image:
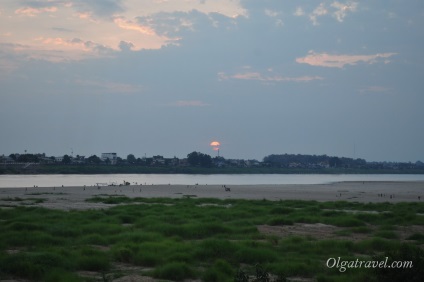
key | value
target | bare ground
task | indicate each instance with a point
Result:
(74, 198)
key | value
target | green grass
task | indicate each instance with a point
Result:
(188, 238)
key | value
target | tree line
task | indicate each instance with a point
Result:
(198, 159)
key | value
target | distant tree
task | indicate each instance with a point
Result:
(141, 161)
(131, 159)
(193, 158)
(66, 159)
(199, 159)
(205, 160)
(94, 159)
(13, 157)
(120, 161)
(334, 162)
(28, 158)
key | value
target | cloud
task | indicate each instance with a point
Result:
(339, 61)
(336, 9)
(31, 12)
(104, 8)
(299, 12)
(190, 104)
(257, 76)
(126, 46)
(62, 29)
(55, 49)
(275, 15)
(103, 25)
(342, 9)
(129, 25)
(317, 12)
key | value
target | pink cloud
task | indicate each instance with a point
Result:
(264, 78)
(75, 43)
(31, 12)
(339, 61)
(129, 25)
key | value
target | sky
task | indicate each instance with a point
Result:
(168, 77)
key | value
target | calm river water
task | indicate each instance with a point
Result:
(191, 179)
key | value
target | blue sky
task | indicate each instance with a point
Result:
(341, 78)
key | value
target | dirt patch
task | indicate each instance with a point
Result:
(135, 278)
(317, 230)
(404, 232)
(325, 231)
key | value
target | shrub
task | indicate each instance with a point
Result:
(148, 259)
(361, 229)
(211, 249)
(176, 271)
(60, 275)
(280, 221)
(123, 254)
(281, 210)
(406, 253)
(345, 221)
(417, 236)
(32, 265)
(252, 255)
(220, 271)
(92, 260)
(386, 234)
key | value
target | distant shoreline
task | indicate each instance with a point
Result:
(118, 169)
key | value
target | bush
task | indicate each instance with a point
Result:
(406, 253)
(417, 236)
(220, 271)
(92, 260)
(386, 234)
(253, 255)
(176, 271)
(149, 259)
(123, 254)
(60, 275)
(32, 265)
(281, 210)
(211, 249)
(280, 221)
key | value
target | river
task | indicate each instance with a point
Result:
(7, 181)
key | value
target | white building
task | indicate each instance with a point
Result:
(111, 156)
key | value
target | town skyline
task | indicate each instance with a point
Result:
(215, 155)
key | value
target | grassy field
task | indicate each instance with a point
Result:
(210, 240)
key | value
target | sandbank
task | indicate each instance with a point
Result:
(74, 198)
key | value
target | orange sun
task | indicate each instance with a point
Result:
(215, 144)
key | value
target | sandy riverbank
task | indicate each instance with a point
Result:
(68, 198)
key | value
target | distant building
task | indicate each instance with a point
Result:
(58, 159)
(111, 156)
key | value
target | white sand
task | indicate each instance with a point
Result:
(68, 198)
